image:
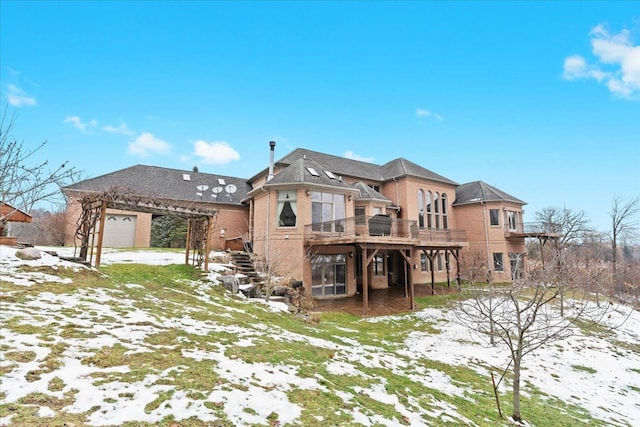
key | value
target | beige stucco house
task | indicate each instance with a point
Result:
(341, 226)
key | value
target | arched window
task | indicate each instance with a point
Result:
(421, 208)
(436, 208)
(429, 209)
(445, 211)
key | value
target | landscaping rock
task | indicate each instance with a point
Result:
(231, 283)
(28, 254)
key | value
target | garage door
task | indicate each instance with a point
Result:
(119, 231)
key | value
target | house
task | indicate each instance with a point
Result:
(10, 214)
(342, 226)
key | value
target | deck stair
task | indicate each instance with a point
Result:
(244, 265)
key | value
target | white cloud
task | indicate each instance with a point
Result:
(146, 144)
(122, 129)
(421, 112)
(76, 122)
(353, 156)
(16, 97)
(617, 63)
(215, 153)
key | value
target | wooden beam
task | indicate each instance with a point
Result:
(207, 244)
(186, 254)
(103, 215)
(365, 281)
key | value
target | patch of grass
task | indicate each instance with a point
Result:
(20, 356)
(55, 384)
(584, 369)
(162, 397)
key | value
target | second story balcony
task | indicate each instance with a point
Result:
(381, 229)
(532, 229)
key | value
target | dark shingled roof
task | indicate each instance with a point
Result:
(368, 193)
(356, 168)
(402, 167)
(153, 181)
(297, 173)
(477, 191)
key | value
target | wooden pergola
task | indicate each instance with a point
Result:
(200, 216)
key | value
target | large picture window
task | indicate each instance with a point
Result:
(327, 211)
(328, 275)
(287, 208)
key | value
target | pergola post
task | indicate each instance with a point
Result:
(186, 254)
(207, 244)
(103, 214)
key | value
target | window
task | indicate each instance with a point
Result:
(424, 262)
(440, 263)
(436, 208)
(497, 262)
(360, 219)
(445, 212)
(421, 208)
(327, 211)
(429, 225)
(512, 217)
(378, 265)
(517, 268)
(330, 174)
(494, 217)
(312, 171)
(328, 275)
(287, 208)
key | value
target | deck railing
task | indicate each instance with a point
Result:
(533, 228)
(380, 227)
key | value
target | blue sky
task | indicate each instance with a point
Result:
(541, 100)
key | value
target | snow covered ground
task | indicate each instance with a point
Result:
(589, 371)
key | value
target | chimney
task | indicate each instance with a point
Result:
(272, 145)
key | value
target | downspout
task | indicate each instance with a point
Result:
(266, 252)
(272, 147)
(486, 232)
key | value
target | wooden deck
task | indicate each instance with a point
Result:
(382, 302)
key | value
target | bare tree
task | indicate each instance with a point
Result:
(524, 316)
(622, 222)
(568, 228)
(23, 185)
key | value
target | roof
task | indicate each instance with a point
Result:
(153, 181)
(359, 169)
(403, 167)
(308, 172)
(9, 213)
(479, 191)
(368, 193)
